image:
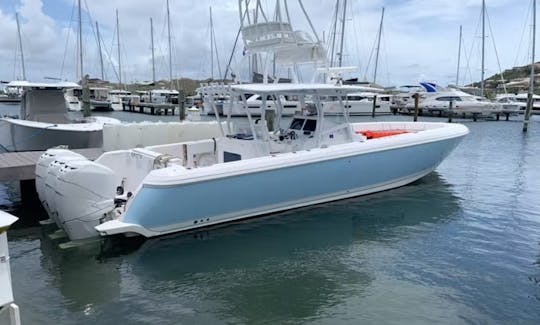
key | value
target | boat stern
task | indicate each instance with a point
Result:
(116, 226)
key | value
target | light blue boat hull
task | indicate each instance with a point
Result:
(166, 209)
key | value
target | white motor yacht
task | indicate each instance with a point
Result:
(118, 97)
(462, 103)
(72, 98)
(519, 100)
(99, 99)
(11, 94)
(360, 104)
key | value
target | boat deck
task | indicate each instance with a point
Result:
(20, 166)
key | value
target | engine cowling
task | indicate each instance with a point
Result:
(85, 193)
(42, 167)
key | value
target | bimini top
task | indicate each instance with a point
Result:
(51, 85)
(321, 89)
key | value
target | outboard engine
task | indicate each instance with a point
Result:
(85, 195)
(42, 167)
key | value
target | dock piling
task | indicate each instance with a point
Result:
(181, 105)
(374, 106)
(416, 97)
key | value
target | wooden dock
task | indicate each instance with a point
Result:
(21, 166)
(150, 108)
(443, 112)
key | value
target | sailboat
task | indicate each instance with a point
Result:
(164, 96)
(117, 97)
(366, 102)
(12, 94)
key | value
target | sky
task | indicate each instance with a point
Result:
(419, 41)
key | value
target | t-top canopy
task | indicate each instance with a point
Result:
(55, 85)
(321, 89)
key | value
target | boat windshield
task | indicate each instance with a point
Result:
(303, 124)
(297, 124)
(310, 125)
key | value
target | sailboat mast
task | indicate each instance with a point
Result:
(459, 56)
(99, 49)
(483, 45)
(378, 47)
(153, 57)
(80, 41)
(119, 62)
(531, 81)
(211, 45)
(170, 49)
(20, 45)
(340, 61)
(334, 35)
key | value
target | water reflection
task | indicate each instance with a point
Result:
(293, 266)
(289, 266)
(81, 277)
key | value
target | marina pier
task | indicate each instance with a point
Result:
(150, 108)
(21, 167)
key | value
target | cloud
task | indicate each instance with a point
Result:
(420, 37)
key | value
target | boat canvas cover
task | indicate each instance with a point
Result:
(44, 105)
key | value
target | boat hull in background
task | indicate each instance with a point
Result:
(19, 135)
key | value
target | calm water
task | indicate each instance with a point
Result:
(460, 246)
